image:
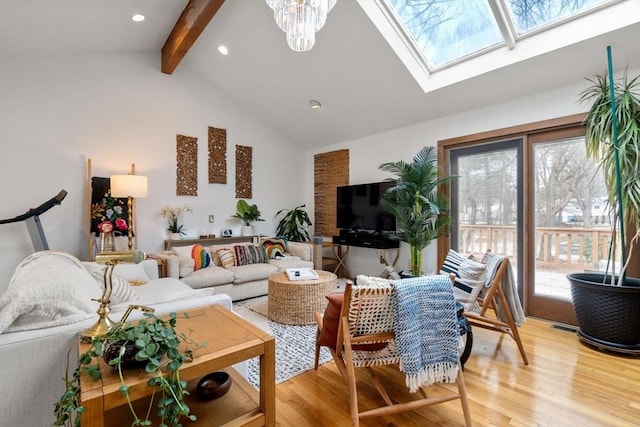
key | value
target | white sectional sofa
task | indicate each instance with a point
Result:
(238, 276)
(46, 305)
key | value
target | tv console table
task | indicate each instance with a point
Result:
(341, 244)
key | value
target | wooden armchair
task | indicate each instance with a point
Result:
(374, 329)
(492, 310)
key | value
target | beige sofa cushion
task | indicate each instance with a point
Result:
(210, 276)
(251, 272)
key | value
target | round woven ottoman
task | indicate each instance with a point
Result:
(293, 302)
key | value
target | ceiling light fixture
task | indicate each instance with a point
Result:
(315, 105)
(223, 49)
(301, 19)
(137, 17)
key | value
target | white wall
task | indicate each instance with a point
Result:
(56, 111)
(365, 154)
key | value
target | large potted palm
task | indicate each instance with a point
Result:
(607, 305)
(421, 211)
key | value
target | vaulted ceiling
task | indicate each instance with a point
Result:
(352, 70)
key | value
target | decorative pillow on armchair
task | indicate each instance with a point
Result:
(470, 277)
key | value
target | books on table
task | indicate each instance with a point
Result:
(301, 274)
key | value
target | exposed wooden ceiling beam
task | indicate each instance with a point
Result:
(193, 20)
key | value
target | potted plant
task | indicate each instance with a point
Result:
(293, 225)
(152, 342)
(172, 215)
(420, 209)
(607, 305)
(248, 214)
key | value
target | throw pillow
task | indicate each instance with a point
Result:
(249, 254)
(185, 266)
(469, 274)
(274, 247)
(226, 256)
(452, 263)
(200, 257)
(329, 335)
(121, 289)
(134, 273)
(184, 251)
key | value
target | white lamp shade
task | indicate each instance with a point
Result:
(128, 186)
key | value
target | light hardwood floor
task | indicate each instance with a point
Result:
(566, 384)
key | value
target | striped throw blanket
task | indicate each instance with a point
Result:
(426, 330)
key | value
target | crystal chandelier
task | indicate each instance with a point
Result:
(301, 19)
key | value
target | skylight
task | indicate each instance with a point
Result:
(528, 15)
(432, 35)
(448, 30)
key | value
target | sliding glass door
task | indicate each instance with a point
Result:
(487, 199)
(571, 218)
(536, 199)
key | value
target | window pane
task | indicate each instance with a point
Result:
(528, 15)
(572, 217)
(448, 30)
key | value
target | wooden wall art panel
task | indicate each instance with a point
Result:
(186, 166)
(217, 156)
(244, 164)
(331, 170)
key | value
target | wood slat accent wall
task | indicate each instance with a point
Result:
(331, 170)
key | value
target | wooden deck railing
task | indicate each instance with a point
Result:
(556, 247)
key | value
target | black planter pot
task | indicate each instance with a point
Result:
(608, 316)
(128, 359)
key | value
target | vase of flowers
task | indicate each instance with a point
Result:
(172, 215)
(107, 229)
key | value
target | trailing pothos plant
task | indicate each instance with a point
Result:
(156, 345)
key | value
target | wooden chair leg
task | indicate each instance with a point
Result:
(351, 375)
(512, 325)
(462, 391)
(318, 318)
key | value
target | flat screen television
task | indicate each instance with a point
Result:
(358, 207)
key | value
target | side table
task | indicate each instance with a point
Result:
(230, 339)
(294, 301)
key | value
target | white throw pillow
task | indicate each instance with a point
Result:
(183, 251)
(134, 273)
(470, 277)
(121, 289)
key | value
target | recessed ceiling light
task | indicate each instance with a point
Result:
(137, 17)
(223, 49)
(315, 104)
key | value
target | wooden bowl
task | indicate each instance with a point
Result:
(213, 385)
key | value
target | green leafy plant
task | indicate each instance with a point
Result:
(421, 211)
(246, 212)
(617, 149)
(293, 225)
(156, 345)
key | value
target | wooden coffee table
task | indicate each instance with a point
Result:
(294, 301)
(230, 339)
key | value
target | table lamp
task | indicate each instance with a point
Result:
(129, 186)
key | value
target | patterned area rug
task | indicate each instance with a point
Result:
(295, 345)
